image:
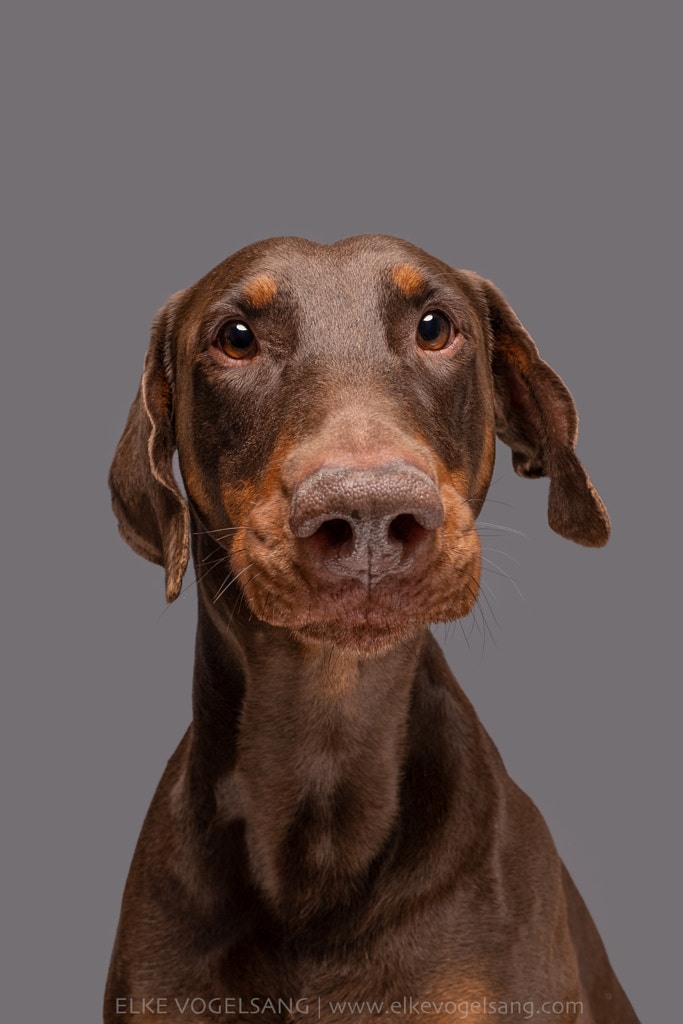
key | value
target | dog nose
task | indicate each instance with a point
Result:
(366, 523)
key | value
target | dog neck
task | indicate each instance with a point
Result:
(304, 742)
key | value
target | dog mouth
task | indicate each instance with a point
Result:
(364, 613)
(355, 620)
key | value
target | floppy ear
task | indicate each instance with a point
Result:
(536, 417)
(153, 515)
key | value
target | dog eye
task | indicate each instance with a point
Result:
(237, 340)
(433, 331)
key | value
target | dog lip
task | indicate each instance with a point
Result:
(384, 602)
(374, 618)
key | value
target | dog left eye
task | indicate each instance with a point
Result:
(433, 331)
(237, 340)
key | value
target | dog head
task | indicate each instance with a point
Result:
(335, 409)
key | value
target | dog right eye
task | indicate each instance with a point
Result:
(434, 331)
(237, 340)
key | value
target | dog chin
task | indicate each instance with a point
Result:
(363, 638)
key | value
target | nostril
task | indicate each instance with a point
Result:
(366, 522)
(406, 529)
(332, 535)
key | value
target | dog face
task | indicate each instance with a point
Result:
(335, 409)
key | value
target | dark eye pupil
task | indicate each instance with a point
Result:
(433, 331)
(239, 336)
(431, 327)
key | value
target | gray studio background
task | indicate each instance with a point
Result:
(534, 143)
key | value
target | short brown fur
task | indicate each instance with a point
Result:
(336, 824)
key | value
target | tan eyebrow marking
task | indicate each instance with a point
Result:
(409, 280)
(261, 291)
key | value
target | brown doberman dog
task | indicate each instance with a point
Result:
(336, 837)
